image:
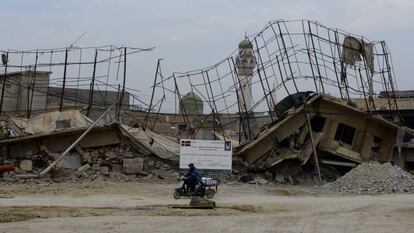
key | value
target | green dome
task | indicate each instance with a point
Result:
(245, 44)
(192, 103)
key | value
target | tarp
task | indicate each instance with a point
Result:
(352, 50)
(47, 122)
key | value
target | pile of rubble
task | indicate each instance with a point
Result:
(316, 135)
(374, 178)
(121, 164)
(110, 163)
(82, 151)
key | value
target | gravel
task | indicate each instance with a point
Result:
(374, 178)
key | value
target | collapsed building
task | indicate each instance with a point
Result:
(331, 83)
(109, 147)
(337, 134)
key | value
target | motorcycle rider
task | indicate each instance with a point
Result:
(190, 178)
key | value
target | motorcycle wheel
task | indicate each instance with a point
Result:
(210, 193)
(177, 195)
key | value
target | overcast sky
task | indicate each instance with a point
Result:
(193, 34)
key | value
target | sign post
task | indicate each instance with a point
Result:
(206, 155)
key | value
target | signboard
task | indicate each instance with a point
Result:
(206, 154)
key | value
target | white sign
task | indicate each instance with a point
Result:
(206, 154)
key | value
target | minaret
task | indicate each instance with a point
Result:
(245, 63)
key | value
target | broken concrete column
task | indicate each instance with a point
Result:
(79, 150)
(133, 166)
(26, 165)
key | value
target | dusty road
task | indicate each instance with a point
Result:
(143, 207)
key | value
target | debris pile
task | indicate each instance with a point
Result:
(374, 178)
(315, 134)
(108, 151)
(120, 164)
(298, 176)
(110, 163)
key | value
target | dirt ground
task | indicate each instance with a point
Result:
(146, 207)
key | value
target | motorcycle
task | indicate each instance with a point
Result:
(204, 188)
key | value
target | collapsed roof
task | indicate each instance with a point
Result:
(341, 133)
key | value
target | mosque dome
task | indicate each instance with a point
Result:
(245, 44)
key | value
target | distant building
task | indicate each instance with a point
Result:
(80, 97)
(28, 91)
(24, 91)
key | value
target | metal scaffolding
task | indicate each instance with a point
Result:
(292, 56)
(95, 69)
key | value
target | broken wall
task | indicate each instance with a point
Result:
(57, 142)
(370, 132)
(338, 130)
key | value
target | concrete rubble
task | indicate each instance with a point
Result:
(26, 165)
(291, 150)
(133, 166)
(374, 178)
(317, 137)
(109, 152)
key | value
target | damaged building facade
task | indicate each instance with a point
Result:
(343, 78)
(109, 148)
(327, 119)
(321, 130)
(24, 91)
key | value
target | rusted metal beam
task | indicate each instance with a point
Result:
(30, 99)
(91, 89)
(64, 80)
(315, 154)
(3, 89)
(121, 99)
(152, 95)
